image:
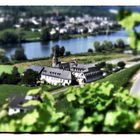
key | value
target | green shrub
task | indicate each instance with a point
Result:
(121, 78)
(93, 108)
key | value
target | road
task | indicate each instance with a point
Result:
(63, 89)
(135, 89)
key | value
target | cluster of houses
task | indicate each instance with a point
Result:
(67, 73)
(79, 25)
(67, 24)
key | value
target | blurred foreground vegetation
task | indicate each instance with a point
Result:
(93, 108)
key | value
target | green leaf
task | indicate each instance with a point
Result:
(30, 118)
(71, 97)
(111, 118)
(34, 91)
(3, 113)
(88, 120)
(31, 103)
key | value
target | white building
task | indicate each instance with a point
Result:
(56, 76)
(16, 102)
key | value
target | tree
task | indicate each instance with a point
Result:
(45, 35)
(19, 54)
(120, 43)
(68, 53)
(101, 64)
(2, 53)
(4, 78)
(56, 49)
(9, 37)
(13, 78)
(97, 46)
(109, 68)
(90, 50)
(21, 36)
(16, 75)
(61, 51)
(30, 77)
(121, 64)
(3, 58)
(85, 31)
(107, 45)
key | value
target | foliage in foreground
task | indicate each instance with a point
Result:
(93, 108)
(133, 18)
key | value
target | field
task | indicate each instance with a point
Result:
(28, 35)
(6, 90)
(8, 69)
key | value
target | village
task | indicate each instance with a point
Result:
(69, 69)
(64, 26)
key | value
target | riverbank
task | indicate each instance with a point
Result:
(35, 36)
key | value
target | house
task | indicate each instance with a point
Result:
(36, 68)
(15, 104)
(85, 73)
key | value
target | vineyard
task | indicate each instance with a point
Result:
(93, 108)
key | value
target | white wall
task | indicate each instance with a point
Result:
(55, 81)
(12, 111)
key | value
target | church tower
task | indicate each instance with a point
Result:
(55, 59)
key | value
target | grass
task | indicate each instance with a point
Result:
(6, 90)
(121, 78)
(28, 35)
(8, 68)
(31, 36)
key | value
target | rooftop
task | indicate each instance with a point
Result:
(56, 72)
(36, 68)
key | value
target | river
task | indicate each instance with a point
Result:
(75, 45)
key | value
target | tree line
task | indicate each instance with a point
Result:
(19, 55)
(29, 77)
(108, 46)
